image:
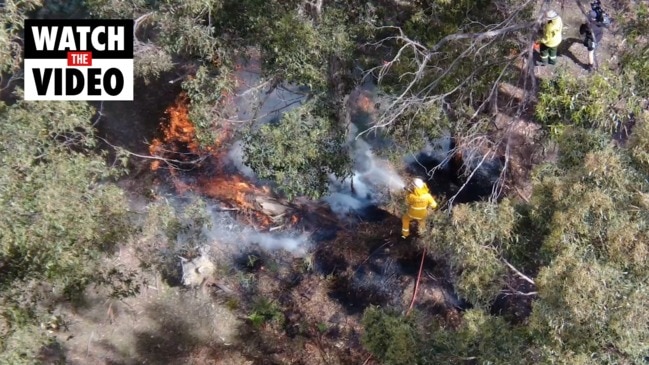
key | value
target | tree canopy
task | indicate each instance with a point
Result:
(60, 211)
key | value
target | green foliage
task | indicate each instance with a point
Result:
(634, 62)
(597, 253)
(639, 142)
(299, 153)
(299, 51)
(472, 241)
(151, 58)
(294, 47)
(151, 62)
(591, 102)
(575, 143)
(587, 306)
(206, 90)
(22, 346)
(167, 31)
(119, 9)
(596, 205)
(59, 210)
(635, 65)
(12, 15)
(635, 58)
(184, 29)
(60, 213)
(62, 9)
(582, 237)
(393, 339)
(431, 21)
(249, 18)
(481, 337)
(265, 311)
(586, 227)
(418, 126)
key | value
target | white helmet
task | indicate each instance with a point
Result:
(551, 14)
(419, 183)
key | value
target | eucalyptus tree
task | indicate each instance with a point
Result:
(579, 244)
(60, 214)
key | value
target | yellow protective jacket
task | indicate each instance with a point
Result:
(419, 200)
(552, 32)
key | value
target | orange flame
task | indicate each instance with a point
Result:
(178, 143)
(294, 219)
(178, 135)
(236, 192)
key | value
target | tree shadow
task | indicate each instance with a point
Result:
(564, 49)
(171, 340)
(53, 353)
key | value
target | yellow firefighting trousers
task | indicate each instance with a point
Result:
(407, 218)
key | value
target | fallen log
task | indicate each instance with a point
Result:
(269, 212)
(271, 206)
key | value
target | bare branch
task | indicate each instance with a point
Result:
(168, 161)
(450, 201)
(100, 114)
(480, 36)
(520, 274)
(139, 22)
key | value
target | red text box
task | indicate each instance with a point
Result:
(79, 58)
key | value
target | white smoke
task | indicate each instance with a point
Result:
(228, 234)
(435, 150)
(227, 238)
(371, 179)
(235, 154)
(297, 245)
(256, 101)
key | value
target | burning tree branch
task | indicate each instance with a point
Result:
(213, 177)
(171, 163)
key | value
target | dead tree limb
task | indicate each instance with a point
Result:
(520, 274)
(170, 162)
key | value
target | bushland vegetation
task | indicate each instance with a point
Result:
(579, 241)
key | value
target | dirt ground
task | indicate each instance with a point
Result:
(259, 307)
(572, 54)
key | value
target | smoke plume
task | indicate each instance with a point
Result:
(372, 178)
(235, 154)
(231, 235)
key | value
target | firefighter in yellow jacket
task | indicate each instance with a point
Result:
(418, 200)
(551, 38)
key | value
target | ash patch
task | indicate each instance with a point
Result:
(328, 262)
(251, 260)
(198, 270)
(354, 297)
(377, 281)
(449, 172)
(514, 306)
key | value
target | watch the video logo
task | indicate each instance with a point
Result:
(80, 59)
